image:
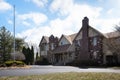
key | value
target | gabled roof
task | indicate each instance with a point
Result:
(70, 38)
(61, 49)
(64, 37)
(112, 34)
(89, 28)
(96, 31)
(46, 39)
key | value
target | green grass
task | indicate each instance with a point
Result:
(68, 76)
(115, 67)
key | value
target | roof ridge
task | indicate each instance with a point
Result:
(70, 37)
(112, 34)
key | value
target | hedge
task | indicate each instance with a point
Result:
(14, 63)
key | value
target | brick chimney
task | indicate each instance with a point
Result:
(84, 55)
(85, 21)
(85, 26)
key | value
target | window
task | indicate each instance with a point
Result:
(78, 42)
(75, 43)
(42, 47)
(52, 46)
(61, 43)
(95, 41)
(95, 55)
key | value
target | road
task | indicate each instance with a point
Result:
(37, 70)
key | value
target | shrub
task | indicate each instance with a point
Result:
(42, 61)
(14, 63)
(2, 65)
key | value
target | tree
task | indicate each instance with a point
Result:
(37, 57)
(117, 27)
(32, 55)
(29, 55)
(26, 53)
(118, 43)
(5, 44)
(19, 44)
(113, 44)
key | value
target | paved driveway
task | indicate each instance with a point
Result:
(36, 70)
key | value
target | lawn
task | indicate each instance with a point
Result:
(67, 76)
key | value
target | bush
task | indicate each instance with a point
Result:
(2, 65)
(42, 61)
(14, 63)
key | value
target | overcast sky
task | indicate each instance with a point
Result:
(37, 18)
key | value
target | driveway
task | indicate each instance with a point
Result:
(37, 70)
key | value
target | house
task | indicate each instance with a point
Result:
(44, 46)
(87, 47)
(88, 44)
(63, 53)
(112, 48)
(47, 44)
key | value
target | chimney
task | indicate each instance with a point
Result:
(85, 40)
(85, 27)
(85, 22)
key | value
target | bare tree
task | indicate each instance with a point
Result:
(113, 43)
(117, 27)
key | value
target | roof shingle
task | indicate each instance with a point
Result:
(112, 34)
(61, 49)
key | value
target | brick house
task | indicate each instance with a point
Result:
(88, 46)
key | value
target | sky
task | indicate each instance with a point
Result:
(37, 18)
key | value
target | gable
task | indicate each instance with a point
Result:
(112, 34)
(63, 41)
(93, 32)
(43, 40)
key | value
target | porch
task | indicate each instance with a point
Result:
(61, 55)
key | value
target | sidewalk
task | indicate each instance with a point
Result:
(15, 67)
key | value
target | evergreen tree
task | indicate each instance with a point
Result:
(19, 44)
(5, 44)
(32, 55)
(37, 56)
(24, 51)
(29, 55)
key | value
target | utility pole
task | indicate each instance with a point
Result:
(14, 29)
